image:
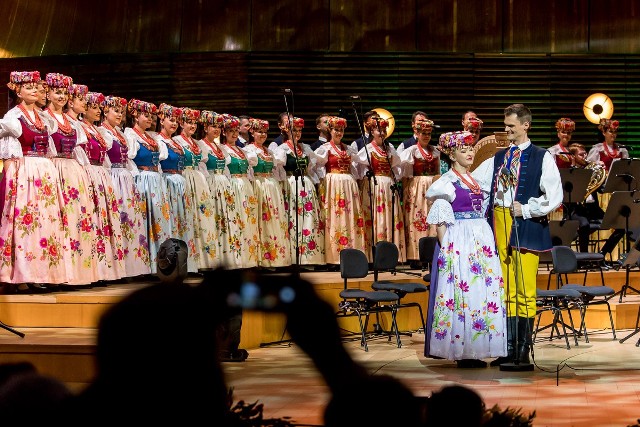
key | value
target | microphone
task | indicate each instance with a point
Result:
(565, 153)
(621, 146)
(286, 90)
(354, 97)
(624, 175)
(436, 126)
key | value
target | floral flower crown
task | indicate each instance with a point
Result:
(425, 125)
(565, 124)
(95, 98)
(337, 122)
(189, 114)
(135, 105)
(59, 80)
(474, 124)
(608, 124)
(79, 91)
(166, 110)
(258, 125)
(113, 102)
(229, 121)
(449, 141)
(208, 117)
(16, 78)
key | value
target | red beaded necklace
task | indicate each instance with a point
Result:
(342, 152)
(614, 153)
(171, 143)
(265, 151)
(37, 122)
(379, 150)
(117, 134)
(65, 125)
(95, 134)
(473, 185)
(193, 146)
(214, 148)
(427, 155)
(238, 151)
(298, 149)
(149, 142)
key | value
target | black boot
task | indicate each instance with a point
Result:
(512, 325)
(525, 338)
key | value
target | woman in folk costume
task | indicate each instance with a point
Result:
(31, 236)
(216, 249)
(198, 199)
(297, 164)
(340, 200)
(77, 103)
(467, 313)
(130, 203)
(564, 128)
(420, 165)
(172, 167)
(273, 220)
(242, 206)
(109, 250)
(146, 154)
(378, 196)
(78, 206)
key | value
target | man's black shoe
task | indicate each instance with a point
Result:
(500, 360)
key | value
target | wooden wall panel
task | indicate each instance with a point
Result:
(615, 27)
(210, 25)
(546, 26)
(459, 26)
(290, 25)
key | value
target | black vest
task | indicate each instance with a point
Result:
(533, 233)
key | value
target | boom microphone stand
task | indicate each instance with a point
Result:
(10, 329)
(297, 174)
(516, 365)
(371, 176)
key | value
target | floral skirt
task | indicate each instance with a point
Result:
(158, 227)
(273, 224)
(304, 216)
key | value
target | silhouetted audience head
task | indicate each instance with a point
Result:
(455, 406)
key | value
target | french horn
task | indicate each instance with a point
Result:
(598, 176)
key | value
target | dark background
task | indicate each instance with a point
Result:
(442, 57)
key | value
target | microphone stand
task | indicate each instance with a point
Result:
(516, 365)
(395, 187)
(371, 176)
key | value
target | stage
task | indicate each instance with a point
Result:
(598, 382)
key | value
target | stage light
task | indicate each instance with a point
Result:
(598, 106)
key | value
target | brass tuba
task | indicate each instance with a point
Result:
(598, 176)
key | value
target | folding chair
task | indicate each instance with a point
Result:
(356, 302)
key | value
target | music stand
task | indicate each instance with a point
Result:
(631, 261)
(621, 208)
(574, 186)
(621, 174)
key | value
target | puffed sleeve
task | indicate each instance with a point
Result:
(132, 143)
(594, 153)
(10, 131)
(442, 188)
(440, 213)
(162, 149)
(106, 135)
(407, 159)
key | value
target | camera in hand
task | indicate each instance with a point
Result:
(263, 293)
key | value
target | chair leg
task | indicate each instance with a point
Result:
(363, 330)
(394, 325)
(613, 328)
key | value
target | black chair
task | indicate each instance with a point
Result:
(426, 249)
(557, 301)
(565, 262)
(356, 302)
(386, 259)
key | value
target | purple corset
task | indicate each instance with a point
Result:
(117, 153)
(466, 200)
(94, 151)
(32, 141)
(64, 143)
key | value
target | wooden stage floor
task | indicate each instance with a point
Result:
(596, 383)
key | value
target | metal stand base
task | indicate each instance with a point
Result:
(516, 367)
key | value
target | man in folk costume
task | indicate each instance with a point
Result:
(526, 187)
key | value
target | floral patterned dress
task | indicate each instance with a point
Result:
(467, 315)
(303, 208)
(109, 249)
(340, 201)
(31, 236)
(420, 167)
(242, 210)
(379, 198)
(78, 207)
(273, 221)
(217, 250)
(146, 154)
(201, 203)
(180, 202)
(131, 204)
